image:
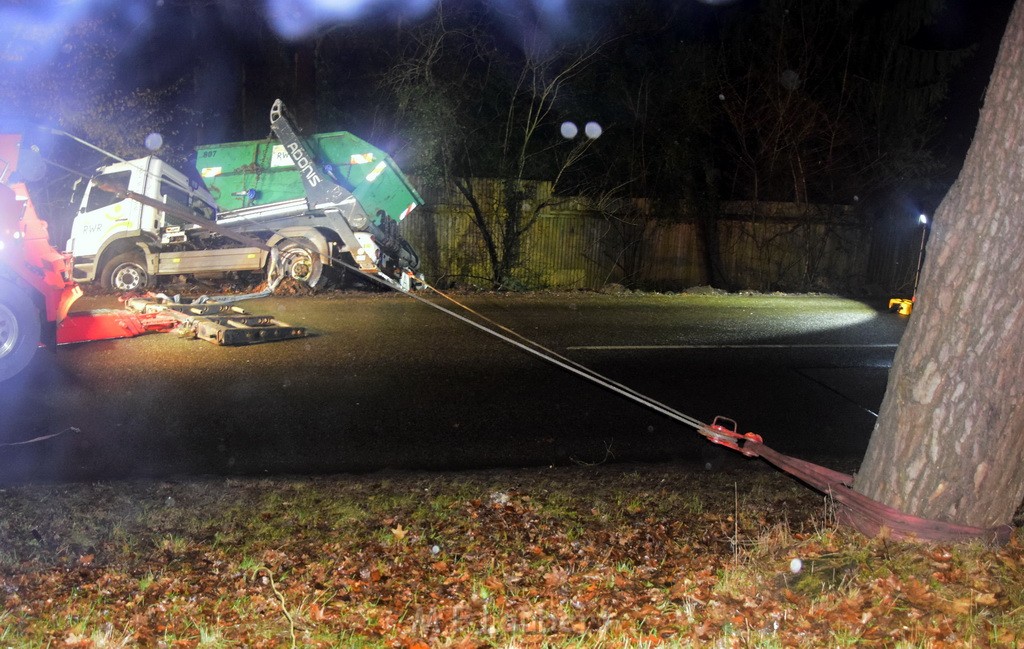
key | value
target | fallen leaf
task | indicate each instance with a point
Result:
(556, 577)
(678, 590)
(86, 559)
(941, 555)
(74, 639)
(316, 613)
(1007, 638)
(399, 532)
(986, 599)
(918, 593)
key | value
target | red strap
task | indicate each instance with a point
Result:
(869, 516)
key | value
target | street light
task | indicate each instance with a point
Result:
(902, 305)
(923, 220)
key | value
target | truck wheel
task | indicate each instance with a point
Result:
(19, 330)
(300, 260)
(125, 272)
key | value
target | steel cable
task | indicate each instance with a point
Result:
(530, 346)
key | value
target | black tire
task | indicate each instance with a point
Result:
(125, 273)
(19, 329)
(300, 260)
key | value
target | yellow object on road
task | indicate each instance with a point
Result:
(905, 306)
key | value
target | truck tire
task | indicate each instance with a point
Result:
(300, 260)
(19, 329)
(125, 272)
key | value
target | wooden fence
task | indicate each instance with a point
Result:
(576, 243)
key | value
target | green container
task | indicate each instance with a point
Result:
(231, 170)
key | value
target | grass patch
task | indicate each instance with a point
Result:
(607, 556)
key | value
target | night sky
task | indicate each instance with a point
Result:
(157, 37)
(235, 61)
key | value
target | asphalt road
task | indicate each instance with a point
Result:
(388, 382)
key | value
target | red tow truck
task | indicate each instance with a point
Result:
(36, 289)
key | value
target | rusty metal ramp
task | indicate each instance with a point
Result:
(242, 329)
(220, 324)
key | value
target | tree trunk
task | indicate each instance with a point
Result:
(949, 442)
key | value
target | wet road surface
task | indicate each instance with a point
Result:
(387, 382)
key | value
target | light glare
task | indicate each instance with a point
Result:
(298, 18)
(154, 141)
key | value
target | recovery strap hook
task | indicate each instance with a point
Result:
(725, 432)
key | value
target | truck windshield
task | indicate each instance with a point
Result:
(99, 198)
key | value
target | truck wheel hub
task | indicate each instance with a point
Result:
(300, 270)
(299, 265)
(127, 279)
(8, 331)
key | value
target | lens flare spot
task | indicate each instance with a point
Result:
(295, 19)
(154, 141)
(790, 79)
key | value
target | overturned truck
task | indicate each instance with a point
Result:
(300, 203)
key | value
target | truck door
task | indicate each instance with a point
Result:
(102, 216)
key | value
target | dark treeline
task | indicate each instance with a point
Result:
(838, 102)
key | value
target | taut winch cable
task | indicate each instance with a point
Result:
(533, 347)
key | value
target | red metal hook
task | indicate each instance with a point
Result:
(725, 432)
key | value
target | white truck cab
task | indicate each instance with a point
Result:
(122, 243)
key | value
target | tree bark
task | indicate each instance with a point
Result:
(949, 441)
